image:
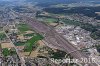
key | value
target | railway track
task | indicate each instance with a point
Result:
(55, 39)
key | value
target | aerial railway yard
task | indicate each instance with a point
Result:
(32, 35)
(54, 39)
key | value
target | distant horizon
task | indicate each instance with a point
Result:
(53, 2)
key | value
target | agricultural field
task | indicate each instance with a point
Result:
(27, 37)
(32, 42)
(48, 20)
(31, 46)
(23, 27)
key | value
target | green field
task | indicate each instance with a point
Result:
(2, 36)
(48, 20)
(31, 34)
(35, 38)
(71, 22)
(29, 44)
(19, 43)
(23, 27)
(57, 55)
(6, 52)
(23, 43)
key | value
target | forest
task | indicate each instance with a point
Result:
(87, 11)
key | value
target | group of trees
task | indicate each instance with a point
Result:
(95, 33)
(7, 52)
(87, 11)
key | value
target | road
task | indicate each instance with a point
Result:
(20, 57)
(55, 39)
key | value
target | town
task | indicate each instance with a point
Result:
(32, 36)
